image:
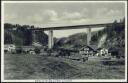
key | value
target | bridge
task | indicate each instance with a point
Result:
(88, 27)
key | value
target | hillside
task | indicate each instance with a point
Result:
(112, 38)
(75, 39)
(21, 35)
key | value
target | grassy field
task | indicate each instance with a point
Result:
(23, 66)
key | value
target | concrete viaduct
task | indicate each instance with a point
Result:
(88, 27)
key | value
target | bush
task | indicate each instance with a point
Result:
(116, 62)
(19, 51)
(37, 50)
(5, 51)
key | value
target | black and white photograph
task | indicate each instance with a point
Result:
(64, 41)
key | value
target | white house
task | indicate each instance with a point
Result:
(103, 52)
(9, 48)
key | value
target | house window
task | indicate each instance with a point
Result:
(86, 48)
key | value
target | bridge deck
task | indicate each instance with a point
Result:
(74, 27)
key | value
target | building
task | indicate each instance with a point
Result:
(88, 50)
(102, 52)
(25, 49)
(9, 48)
(37, 44)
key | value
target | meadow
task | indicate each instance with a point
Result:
(26, 66)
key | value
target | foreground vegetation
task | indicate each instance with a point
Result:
(25, 66)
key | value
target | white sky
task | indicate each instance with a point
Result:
(63, 14)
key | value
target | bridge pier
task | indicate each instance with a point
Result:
(88, 36)
(50, 39)
(34, 36)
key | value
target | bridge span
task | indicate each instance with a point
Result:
(74, 27)
(88, 27)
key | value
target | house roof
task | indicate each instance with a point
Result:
(8, 44)
(93, 47)
(36, 44)
(24, 47)
(99, 48)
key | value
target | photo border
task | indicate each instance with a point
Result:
(59, 80)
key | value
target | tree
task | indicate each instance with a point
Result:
(37, 50)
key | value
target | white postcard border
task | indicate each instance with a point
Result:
(59, 80)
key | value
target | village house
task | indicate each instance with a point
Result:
(25, 49)
(9, 48)
(88, 50)
(103, 52)
(37, 44)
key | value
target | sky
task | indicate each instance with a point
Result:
(47, 14)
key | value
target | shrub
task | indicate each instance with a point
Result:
(19, 51)
(116, 62)
(5, 51)
(37, 50)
